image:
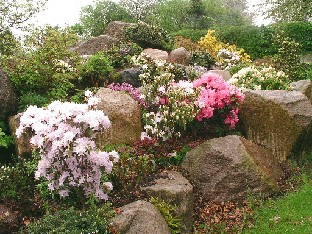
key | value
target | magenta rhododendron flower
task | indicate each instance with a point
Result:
(64, 134)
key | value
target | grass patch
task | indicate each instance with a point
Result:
(291, 213)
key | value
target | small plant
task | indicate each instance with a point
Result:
(97, 70)
(131, 169)
(93, 220)
(5, 140)
(260, 78)
(203, 59)
(64, 134)
(146, 36)
(167, 211)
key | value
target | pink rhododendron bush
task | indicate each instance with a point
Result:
(171, 105)
(64, 134)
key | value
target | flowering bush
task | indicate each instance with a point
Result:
(227, 59)
(225, 55)
(216, 95)
(64, 134)
(260, 77)
(173, 105)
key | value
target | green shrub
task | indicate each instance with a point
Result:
(96, 70)
(120, 56)
(146, 36)
(44, 67)
(201, 58)
(93, 220)
(17, 181)
(167, 211)
(259, 41)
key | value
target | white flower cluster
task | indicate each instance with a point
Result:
(258, 78)
(227, 59)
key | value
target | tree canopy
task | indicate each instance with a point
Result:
(288, 10)
(13, 13)
(95, 17)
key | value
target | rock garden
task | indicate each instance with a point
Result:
(133, 132)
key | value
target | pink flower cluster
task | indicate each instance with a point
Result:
(64, 134)
(134, 92)
(215, 95)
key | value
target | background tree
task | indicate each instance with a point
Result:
(13, 13)
(175, 15)
(172, 15)
(95, 17)
(287, 10)
(138, 8)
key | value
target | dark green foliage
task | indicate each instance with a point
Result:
(93, 220)
(17, 180)
(96, 70)
(204, 59)
(5, 140)
(120, 56)
(167, 211)
(149, 36)
(301, 32)
(259, 41)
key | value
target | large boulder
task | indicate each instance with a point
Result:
(180, 56)
(227, 168)
(8, 99)
(95, 44)
(125, 116)
(23, 148)
(117, 28)
(303, 86)
(176, 190)
(131, 76)
(140, 217)
(279, 120)
(156, 53)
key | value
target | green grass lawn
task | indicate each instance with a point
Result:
(291, 213)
